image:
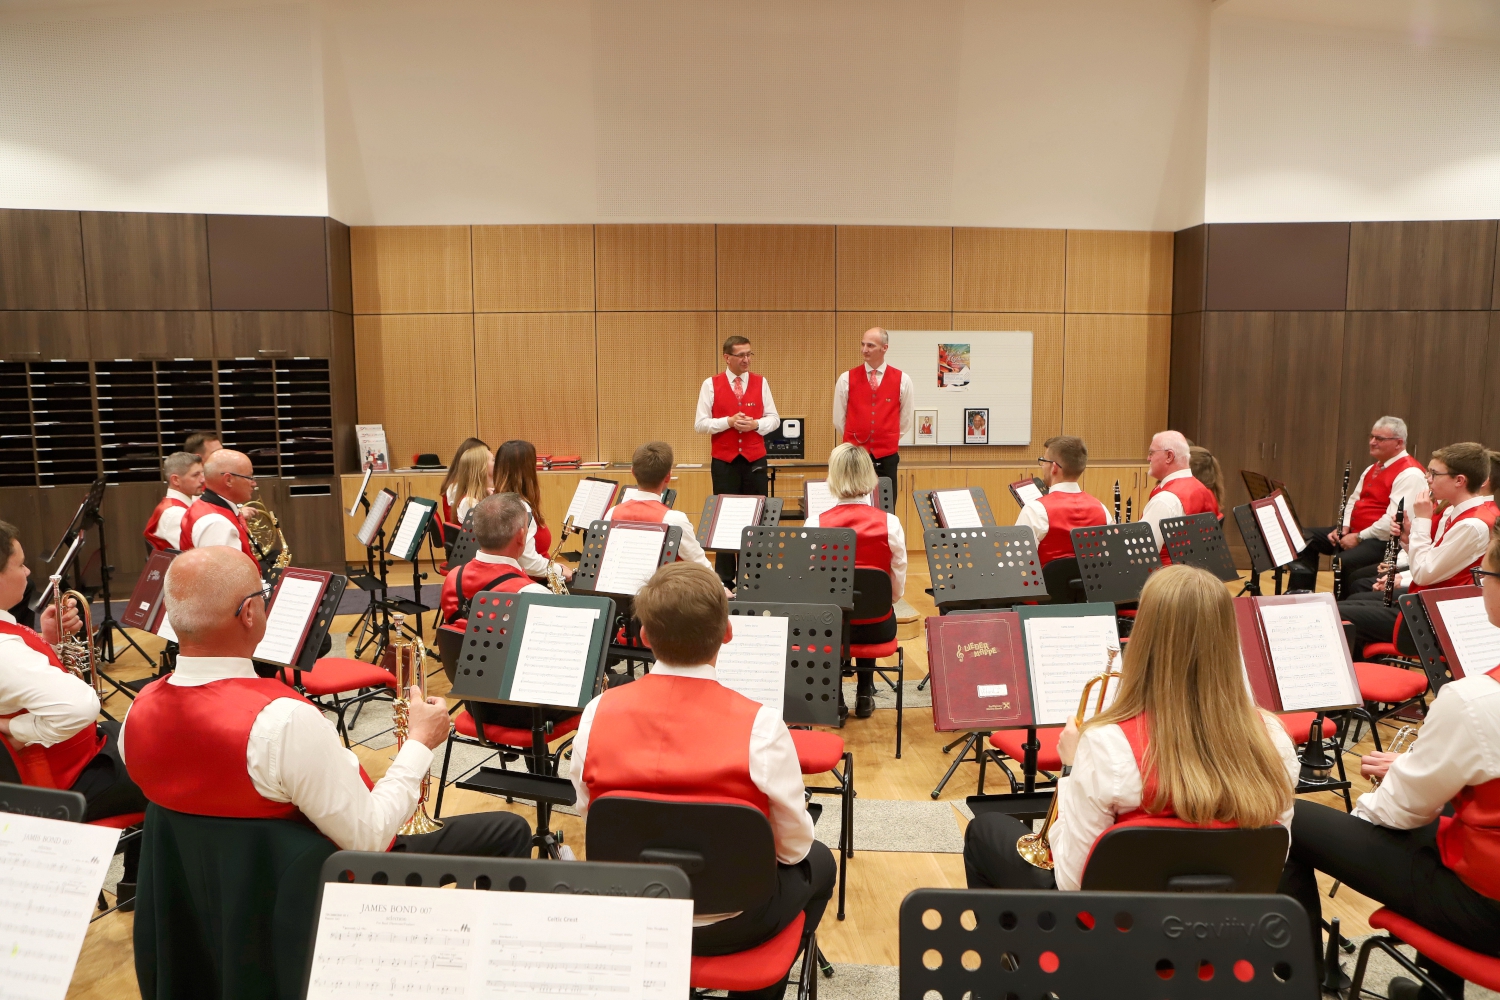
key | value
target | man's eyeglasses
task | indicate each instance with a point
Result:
(240, 475)
(1377, 437)
(1478, 575)
(264, 593)
(747, 354)
(1044, 460)
(1437, 475)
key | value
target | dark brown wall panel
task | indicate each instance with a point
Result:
(342, 385)
(1378, 357)
(1421, 265)
(41, 260)
(150, 336)
(1448, 380)
(271, 334)
(268, 262)
(1238, 394)
(146, 260)
(340, 277)
(44, 336)
(1186, 377)
(20, 505)
(127, 507)
(1281, 266)
(1189, 267)
(1307, 375)
(1490, 400)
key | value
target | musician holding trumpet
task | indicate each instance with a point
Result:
(1182, 739)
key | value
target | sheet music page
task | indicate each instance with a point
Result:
(50, 875)
(363, 485)
(735, 514)
(1028, 491)
(1307, 654)
(396, 941)
(379, 508)
(1293, 528)
(1476, 643)
(1274, 535)
(296, 601)
(959, 510)
(406, 532)
(590, 501)
(165, 629)
(754, 661)
(1063, 654)
(631, 556)
(554, 654)
(819, 499)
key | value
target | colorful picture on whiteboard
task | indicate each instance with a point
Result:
(977, 426)
(926, 426)
(953, 367)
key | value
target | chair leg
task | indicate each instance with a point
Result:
(900, 694)
(437, 805)
(1388, 945)
(846, 834)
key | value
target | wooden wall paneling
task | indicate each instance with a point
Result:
(895, 267)
(534, 268)
(411, 269)
(268, 262)
(1236, 419)
(652, 365)
(1306, 380)
(1115, 372)
(1185, 395)
(1448, 380)
(924, 479)
(996, 485)
(56, 506)
(1379, 354)
(343, 385)
(416, 376)
(41, 260)
(1099, 482)
(851, 326)
(693, 486)
(516, 352)
(1289, 266)
(150, 336)
(1009, 270)
(770, 268)
(1422, 265)
(340, 280)
(311, 523)
(44, 336)
(21, 506)
(1046, 381)
(1119, 272)
(272, 335)
(1189, 269)
(1490, 407)
(146, 260)
(557, 492)
(654, 267)
(794, 351)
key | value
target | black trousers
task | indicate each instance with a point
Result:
(108, 791)
(482, 835)
(990, 858)
(746, 478)
(1304, 572)
(1399, 868)
(801, 888)
(870, 634)
(886, 468)
(1372, 620)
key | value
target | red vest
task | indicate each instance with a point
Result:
(649, 511)
(1196, 499)
(167, 503)
(186, 747)
(1485, 512)
(730, 444)
(59, 765)
(475, 577)
(1137, 734)
(1065, 511)
(872, 544)
(1469, 840)
(872, 418)
(543, 541)
(202, 508)
(665, 735)
(1375, 492)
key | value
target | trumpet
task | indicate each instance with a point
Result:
(1400, 743)
(1033, 847)
(405, 659)
(75, 651)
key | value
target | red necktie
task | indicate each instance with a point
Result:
(739, 389)
(874, 380)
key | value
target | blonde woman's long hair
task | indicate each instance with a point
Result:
(851, 473)
(471, 474)
(1207, 742)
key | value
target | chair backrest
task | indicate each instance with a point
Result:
(725, 848)
(1138, 857)
(49, 803)
(1059, 575)
(450, 643)
(1126, 946)
(872, 594)
(594, 878)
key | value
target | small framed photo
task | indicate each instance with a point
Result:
(926, 423)
(977, 425)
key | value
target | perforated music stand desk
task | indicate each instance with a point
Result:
(922, 500)
(1198, 540)
(321, 623)
(589, 878)
(797, 566)
(1255, 546)
(814, 634)
(770, 517)
(1115, 560)
(464, 546)
(983, 567)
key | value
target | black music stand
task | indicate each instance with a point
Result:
(1424, 636)
(669, 498)
(1257, 485)
(770, 517)
(812, 677)
(48, 803)
(1255, 545)
(1115, 560)
(1198, 540)
(595, 537)
(983, 567)
(885, 494)
(584, 878)
(922, 500)
(464, 546)
(322, 622)
(797, 566)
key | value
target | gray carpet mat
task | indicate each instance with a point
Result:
(893, 825)
(885, 695)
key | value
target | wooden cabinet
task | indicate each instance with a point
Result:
(307, 510)
(271, 335)
(150, 336)
(44, 336)
(146, 260)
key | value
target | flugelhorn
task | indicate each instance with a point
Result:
(75, 651)
(1034, 847)
(1400, 743)
(406, 659)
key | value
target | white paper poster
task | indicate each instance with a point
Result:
(374, 454)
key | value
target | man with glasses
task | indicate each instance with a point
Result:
(1064, 506)
(1394, 476)
(736, 408)
(1177, 493)
(214, 518)
(872, 404)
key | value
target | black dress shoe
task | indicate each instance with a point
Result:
(125, 896)
(1402, 988)
(864, 706)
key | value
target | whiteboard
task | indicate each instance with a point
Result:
(999, 379)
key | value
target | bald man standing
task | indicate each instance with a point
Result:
(872, 404)
(1177, 493)
(214, 518)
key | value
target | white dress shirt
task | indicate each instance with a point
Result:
(490, 558)
(55, 704)
(1034, 514)
(1106, 783)
(1437, 555)
(1408, 485)
(467, 504)
(1164, 505)
(169, 525)
(895, 538)
(841, 400)
(294, 755)
(216, 529)
(688, 550)
(533, 562)
(706, 423)
(1458, 747)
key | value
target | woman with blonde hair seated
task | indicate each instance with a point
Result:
(471, 480)
(1182, 739)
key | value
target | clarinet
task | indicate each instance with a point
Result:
(1128, 502)
(1393, 547)
(1117, 501)
(1338, 557)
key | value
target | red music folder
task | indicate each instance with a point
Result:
(145, 599)
(1296, 656)
(1470, 643)
(978, 667)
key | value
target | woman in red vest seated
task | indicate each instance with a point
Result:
(515, 472)
(1182, 739)
(651, 465)
(879, 543)
(1064, 506)
(450, 492)
(1397, 847)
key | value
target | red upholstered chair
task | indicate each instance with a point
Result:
(872, 599)
(820, 752)
(332, 676)
(1010, 744)
(1388, 687)
(509, 743)
(1471, 965)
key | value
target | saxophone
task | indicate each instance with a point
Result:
(554, 571)
(76, 651)
(405, 659)
(265, 535)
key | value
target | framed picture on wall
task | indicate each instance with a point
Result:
(926, 426)
(977, 425)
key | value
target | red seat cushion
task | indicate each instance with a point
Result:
(754, 969)
(876, 651)
(1299, 724)
(1388, 685)
(818, 751)
(1008, 742)
(508, 737)
(333, 674)
(1471, 965)
(1380, 650)
(119, 822)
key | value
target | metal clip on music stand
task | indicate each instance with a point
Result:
(595, 538)
(1197, 540)
(983, 567)
(1255, 545)
(1115, 560)
(583, 878)
(797, 566)
(1429, 648)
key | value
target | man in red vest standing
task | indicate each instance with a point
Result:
(872, 405)
(1177, 493)
(1371, 508)
(736, 408)
(183, 472)
(1064, 506)
(214, 518)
